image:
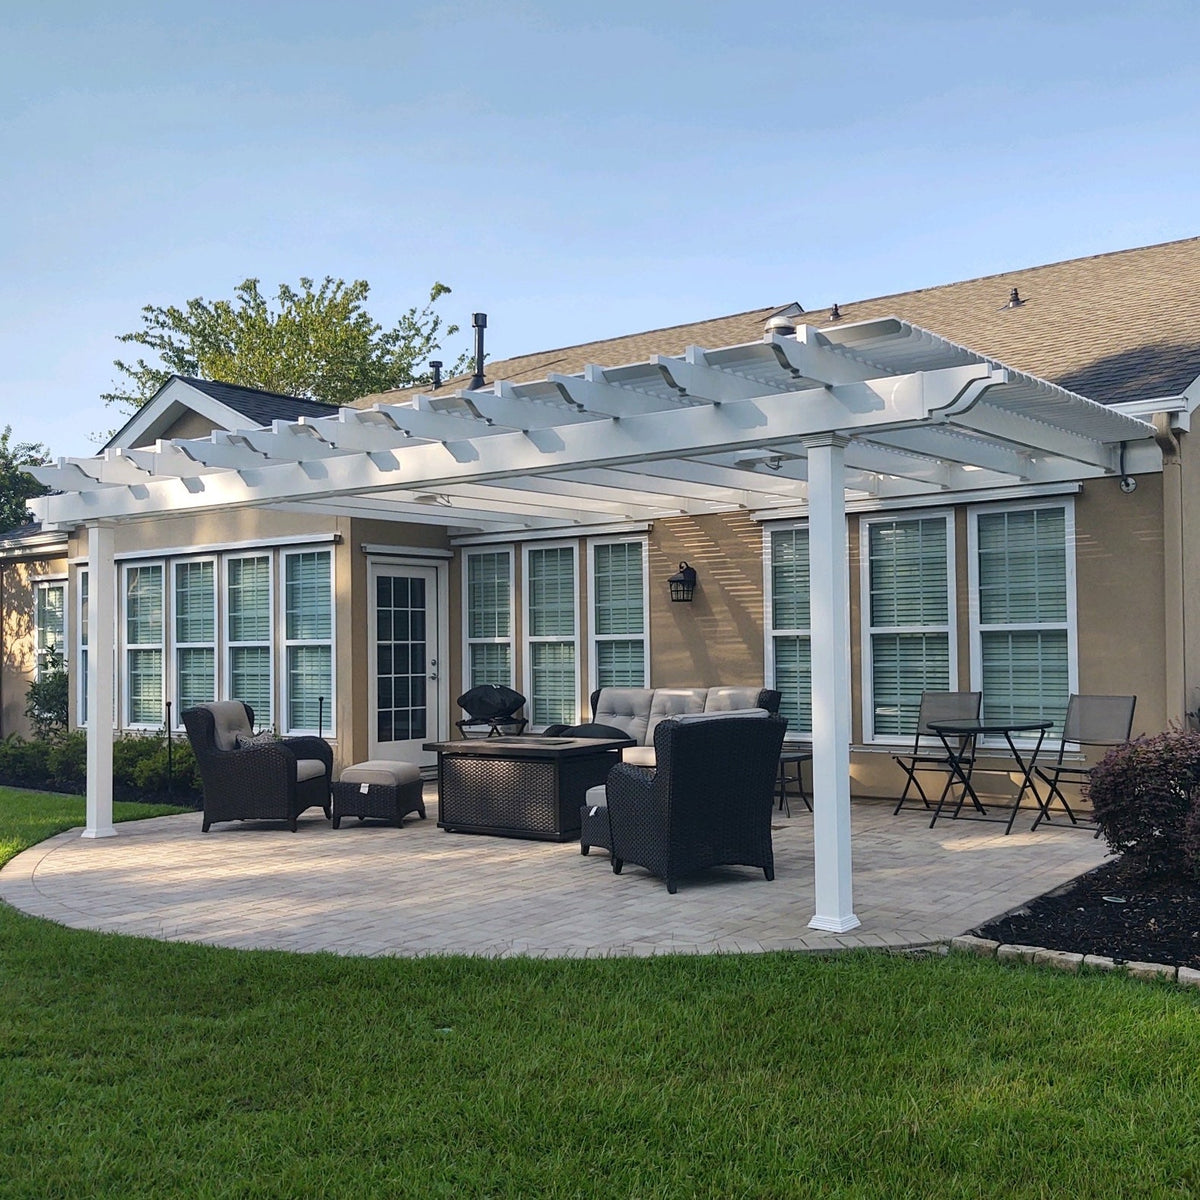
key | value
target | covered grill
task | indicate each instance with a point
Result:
(491, 709)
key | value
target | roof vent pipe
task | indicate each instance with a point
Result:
(436, 367)
(778, 324)
(479, 320)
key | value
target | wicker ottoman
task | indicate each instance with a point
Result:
(378, 789)
(593, 821)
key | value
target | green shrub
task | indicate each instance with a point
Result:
(25, 763)
(66, 761)
(46, 700)
(1142, 794)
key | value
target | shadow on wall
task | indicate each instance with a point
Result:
(1148, 371)
(16, 647)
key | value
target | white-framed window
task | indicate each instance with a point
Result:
(907, 618)
(49, 624)
(619, 613)
(551, 634)
(789, 642)
(144, 630)
(308, 640)
(249, 634)
(488, 617)
(1023, 636)
(194, 613)
(81, 672)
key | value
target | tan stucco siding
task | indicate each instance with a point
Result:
(718, 637)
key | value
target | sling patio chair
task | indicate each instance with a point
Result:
(929, 752)
(1096, 722)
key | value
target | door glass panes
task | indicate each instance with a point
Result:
(49, 624)
(402, 660)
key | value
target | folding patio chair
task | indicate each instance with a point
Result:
(929, 752)
(1096, 721)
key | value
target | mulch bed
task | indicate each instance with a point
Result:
(1114, 911)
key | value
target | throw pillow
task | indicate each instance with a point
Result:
(246, 740)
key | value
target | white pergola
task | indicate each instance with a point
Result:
(804, 420)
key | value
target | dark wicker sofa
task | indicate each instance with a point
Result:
(708, 803)
(270, 781)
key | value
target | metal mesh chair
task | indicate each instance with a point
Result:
(1098, 722)
(928, 752)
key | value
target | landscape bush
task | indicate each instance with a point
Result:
(58, 763)
(1144, 795)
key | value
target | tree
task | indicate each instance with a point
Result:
(17, 488)
(319, 343)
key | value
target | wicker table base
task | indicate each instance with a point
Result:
(527, 787)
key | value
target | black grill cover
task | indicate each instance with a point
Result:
(490, 700)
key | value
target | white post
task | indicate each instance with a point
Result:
(830, 626)
(101, 660)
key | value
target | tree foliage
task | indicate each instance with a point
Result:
(17, 488)
(318, 342)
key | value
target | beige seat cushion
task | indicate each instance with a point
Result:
(727, 699)
(624, 708)
(595, 796)
(673, 702)
(381, 771)
(639, 756)
(309, 768)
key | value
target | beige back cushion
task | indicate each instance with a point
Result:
(627, 709)
(673, 702)
(229, 719)
(728, 699)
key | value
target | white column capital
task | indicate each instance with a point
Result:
(838, 441)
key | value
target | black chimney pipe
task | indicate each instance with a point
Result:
(436, 367)
(479, 320)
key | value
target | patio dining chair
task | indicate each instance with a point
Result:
(929, 753)
(1094, 722)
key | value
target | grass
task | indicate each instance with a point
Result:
(135, 1068)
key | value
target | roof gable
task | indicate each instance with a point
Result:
(226, 405)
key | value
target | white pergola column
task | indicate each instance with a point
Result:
(101, 659)
(830, 629)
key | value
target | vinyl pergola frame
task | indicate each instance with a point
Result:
(878, 409)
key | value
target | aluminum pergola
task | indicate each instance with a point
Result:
(803, 420)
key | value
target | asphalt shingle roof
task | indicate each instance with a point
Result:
(1112, 327)
(261, 407)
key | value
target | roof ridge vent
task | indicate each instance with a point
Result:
(778, 324)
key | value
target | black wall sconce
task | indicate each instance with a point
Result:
(683, 582)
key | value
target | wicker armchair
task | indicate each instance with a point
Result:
(708, 803)
(273, 781)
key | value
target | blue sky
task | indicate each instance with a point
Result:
(575, 171)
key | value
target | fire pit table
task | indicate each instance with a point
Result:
(526, 787)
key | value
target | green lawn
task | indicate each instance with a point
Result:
(134, 1068)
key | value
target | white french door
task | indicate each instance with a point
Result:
(406, 660)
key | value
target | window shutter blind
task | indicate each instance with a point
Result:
(553, 676)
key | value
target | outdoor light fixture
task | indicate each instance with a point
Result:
(682, 583)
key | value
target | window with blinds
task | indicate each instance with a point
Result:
(144, 632)
(308, 640)
(790, 642)
(551, 635)
(195, 621)
(489, 624)
(619, 614)
(248, 633)
(1024, 637)
(908, 613)
(49, 625)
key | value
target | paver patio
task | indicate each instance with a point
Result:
(372, 889)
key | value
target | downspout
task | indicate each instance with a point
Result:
(1174, 596)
